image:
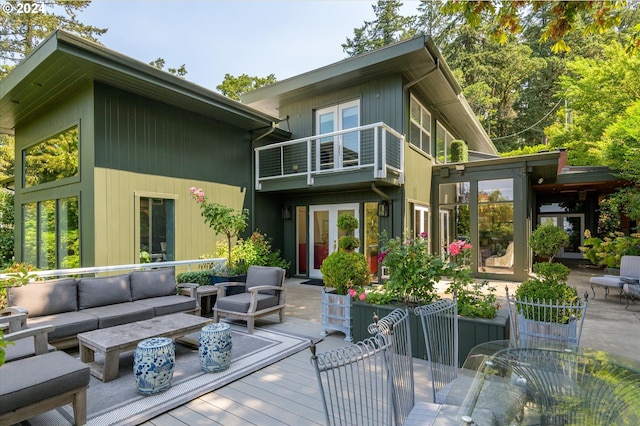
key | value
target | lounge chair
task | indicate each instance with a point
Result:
(505, 261)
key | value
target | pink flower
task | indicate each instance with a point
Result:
(192, 189)
(352, 292)
(424, 234)
(454, 248)
(362, 296)
(382, 255)
(467, 246)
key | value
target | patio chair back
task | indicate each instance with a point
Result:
(440, 328)
(536, 323)
(395, 328)
(356, 382)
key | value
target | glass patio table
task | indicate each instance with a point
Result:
(503, 384)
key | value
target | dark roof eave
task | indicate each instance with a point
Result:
(100, 64)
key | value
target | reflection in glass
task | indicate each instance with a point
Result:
(301, 236)
(371, 237)
(573, 227)
(495, 190)
(53, 159)
(69, 240)
(30, 233)
(47, 235)
(495, 227)
(157, 229)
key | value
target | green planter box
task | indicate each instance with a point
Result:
(471, 331)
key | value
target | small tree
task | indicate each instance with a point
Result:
(547, 241)
(459, 151)
(224, 220)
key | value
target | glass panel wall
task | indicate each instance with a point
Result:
(51, 237)
(371, 238)
(495, 226)
(455, 219)
(301, 237)
(53, 159)
(157, 237)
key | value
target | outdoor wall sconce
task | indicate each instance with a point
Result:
(460, 168)
(285, 212)
(540, 180)
(383, 208)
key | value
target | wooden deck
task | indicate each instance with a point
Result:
(285, 393)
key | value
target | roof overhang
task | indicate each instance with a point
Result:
(63, 62)
(422, 66)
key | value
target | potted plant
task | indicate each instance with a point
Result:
(547, 241)
(224, 220)
(416, 271)
(342, 272)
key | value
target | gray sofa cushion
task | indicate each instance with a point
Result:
(241, 302)
(121, 313)
(103, 291)
(45, 297)
(168, 304)
(156, 283)
(264, 275)
(67, 324)
(48, 375)
(22, 348)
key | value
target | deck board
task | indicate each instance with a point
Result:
(284, 393)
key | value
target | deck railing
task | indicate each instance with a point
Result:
(115, 268)
(375, 146)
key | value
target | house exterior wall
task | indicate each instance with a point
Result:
(145, 148)
(75, 109)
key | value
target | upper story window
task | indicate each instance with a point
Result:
(443, 144)
(420, 126)
(52, 159)
(343, 149)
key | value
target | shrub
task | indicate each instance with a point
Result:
(556, 272)
(551, 291)
(196, 277)
(608, 251)
(256, 250)
(343, 270)
(547, 240)
(6, 227)
(459, 151)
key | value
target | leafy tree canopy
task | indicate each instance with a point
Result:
(159, 63)
(21, 32)
(507, 18)
(233, 87)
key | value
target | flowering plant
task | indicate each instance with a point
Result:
(224, 220)
(474, 299)
(413, 271)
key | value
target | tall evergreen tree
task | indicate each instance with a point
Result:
(388, 27)
(21, 32)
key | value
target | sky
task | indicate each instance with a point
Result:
(215, 37)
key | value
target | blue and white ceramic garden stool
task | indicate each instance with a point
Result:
(214, 347)
(153, 364)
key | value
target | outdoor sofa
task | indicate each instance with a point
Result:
(79, 305)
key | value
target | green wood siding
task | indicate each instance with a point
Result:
(140, 135)
(380, 100)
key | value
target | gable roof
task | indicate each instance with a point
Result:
(64, 62)
(420, 62)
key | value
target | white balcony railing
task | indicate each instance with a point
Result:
(375, 146)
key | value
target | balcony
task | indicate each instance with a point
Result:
(374, 152)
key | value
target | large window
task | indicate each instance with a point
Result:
(52, 159)
(50, 236)
(495, 226)
(443, 144)
(420, 126)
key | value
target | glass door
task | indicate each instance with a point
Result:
(324, 233)
(335, 152)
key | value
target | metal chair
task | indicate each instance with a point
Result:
(545, 322)
(440, 328)
(356, 383)
(395, 328)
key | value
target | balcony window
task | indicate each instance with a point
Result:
(343, 150)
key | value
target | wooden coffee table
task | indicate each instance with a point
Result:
(111, 342)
